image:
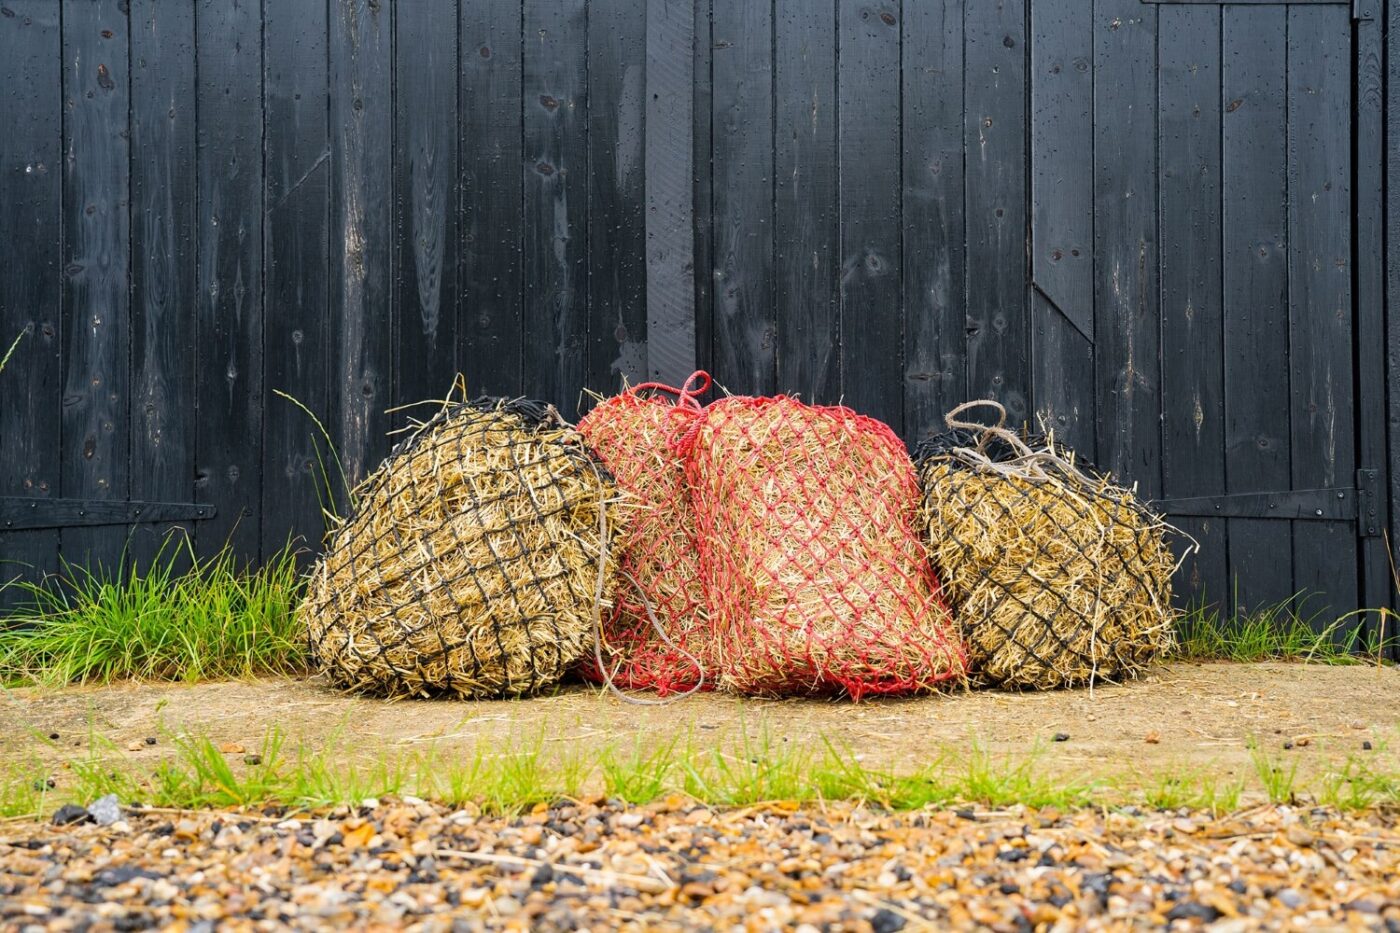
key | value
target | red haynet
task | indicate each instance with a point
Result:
(636, 434)
(815, 575)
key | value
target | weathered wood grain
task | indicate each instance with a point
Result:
(1254, 251)
(1193, 392)
(671, 280)
(995, 202)
(554, 98)
(490, 339)
(745, 350)
(1062, 223)
(296, 334)
(935, 253)
(228, 350)
(807, 210)
(426, 247)
(359, 355)
(616, 192)
(872, 322)
(163, 268)
(96, 327)
(1320, 269)
(31, 184)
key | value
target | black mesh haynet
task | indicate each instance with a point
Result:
(1058, 577)
(473, 563)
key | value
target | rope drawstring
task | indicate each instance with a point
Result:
(687, 396)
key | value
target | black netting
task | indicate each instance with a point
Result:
(1058, 576)
(470, 564)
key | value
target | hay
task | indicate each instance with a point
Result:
(470, 566)
(657, 636)
(1058, 578)
(815, 575)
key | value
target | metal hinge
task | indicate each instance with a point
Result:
(1368, 503)
(21, 513)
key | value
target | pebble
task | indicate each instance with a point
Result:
(673, 865)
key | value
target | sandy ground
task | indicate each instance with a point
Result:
(1202, 715)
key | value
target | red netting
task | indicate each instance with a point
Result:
(815, 574)
(635, 434)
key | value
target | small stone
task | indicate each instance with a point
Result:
(1299, 836)
(105, 810)
(252, 760)
(150, 740)
(71, 813)
(1302, 741)
(506, 906)
(630, 820)
(1190, 910)
(1153, 738)
(53, 736)
(1366, 746)
(1287, 746)
(1358, 724)
(370, 803)
(1290, 898)
(1061, 736)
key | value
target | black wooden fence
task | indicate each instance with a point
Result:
(1157, 226)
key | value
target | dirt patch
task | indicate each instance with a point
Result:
(1202, 717)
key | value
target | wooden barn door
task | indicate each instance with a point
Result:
(1204, 321)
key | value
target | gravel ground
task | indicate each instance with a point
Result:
(675, 865)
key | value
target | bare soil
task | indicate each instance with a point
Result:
(1198, 717)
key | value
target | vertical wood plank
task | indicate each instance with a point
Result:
(1126, 328)
(934, 259)
(1193, 403)
(807, 246)
(298, 153)
(1320, 347)
(96, 419)
(703, 187)
(670, 170)
(1254, 251)
(492, 197)
(1377, 587)
(426, 245)
(163, 196)
(872, 319)
(229, 326)
(360, 351)
(616, 195)
(1391, 259)
(745, 359)
(996, 204)
(617, 221)
(555, 101)
(1062, 223)
(31, 180)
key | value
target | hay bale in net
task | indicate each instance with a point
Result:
(470, 565)
(815, 574)
(1058, 577)
(657, 636)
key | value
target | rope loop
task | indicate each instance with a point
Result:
(687, 396)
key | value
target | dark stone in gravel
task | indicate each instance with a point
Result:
(1366, 746)
(1008, 887)
(1013, 855)
(1061, 736)
(886, 921)
(150, 740)
(1190, 910)
(71, 813)
(110, 877)
(1239, 887)
(542, 876)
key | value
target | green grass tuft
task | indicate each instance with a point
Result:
(212, 621)
(1275, 633)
